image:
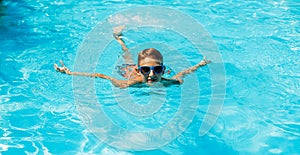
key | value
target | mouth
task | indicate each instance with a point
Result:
(151, 80)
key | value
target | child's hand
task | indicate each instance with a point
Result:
(62, 69)
(139, 78)
(204, 62)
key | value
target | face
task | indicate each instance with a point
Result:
(151, 73)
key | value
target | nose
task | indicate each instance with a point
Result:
(151, 73)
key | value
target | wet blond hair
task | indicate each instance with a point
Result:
(150, 53)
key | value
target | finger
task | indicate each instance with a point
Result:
(56, 67)
(62, 63)
(118, 30)
(205, 60)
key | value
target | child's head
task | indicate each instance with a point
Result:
(150, 53)
(150, 64)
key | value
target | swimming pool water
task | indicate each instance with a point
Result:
(258, 42)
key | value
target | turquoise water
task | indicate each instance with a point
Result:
(258, 41)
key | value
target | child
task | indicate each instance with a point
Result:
(149, 69)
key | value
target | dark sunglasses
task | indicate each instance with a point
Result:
(146, 69)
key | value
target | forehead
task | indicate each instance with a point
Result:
(150, 62)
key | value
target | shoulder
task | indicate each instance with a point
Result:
(170, 81)
(127, 70)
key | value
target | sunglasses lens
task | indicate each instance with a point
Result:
(145, 70)
(158, 69)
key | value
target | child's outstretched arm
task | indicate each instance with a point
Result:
(117, 33)
(115, 82)
(181, 74)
